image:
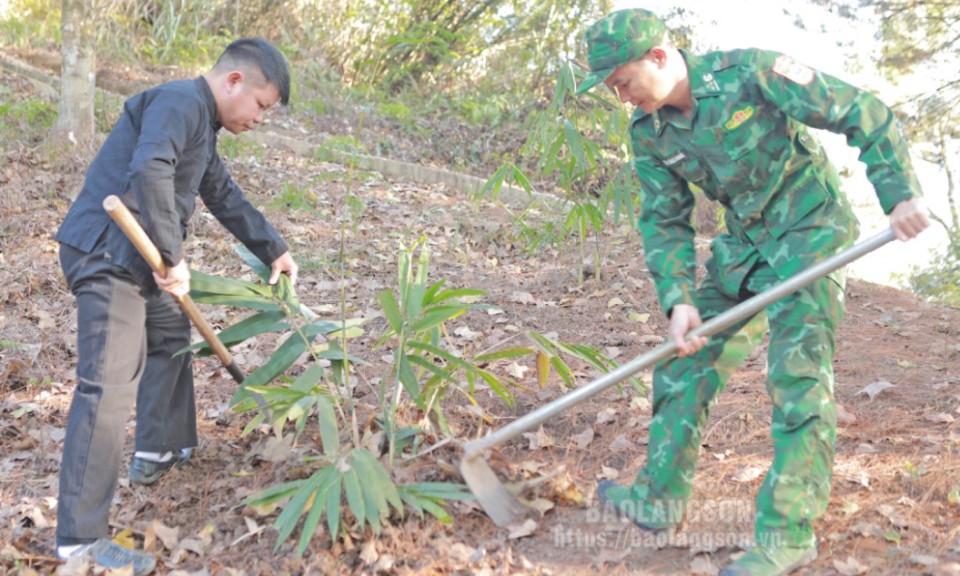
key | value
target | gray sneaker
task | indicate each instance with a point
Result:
(105, 553)
(147, 472)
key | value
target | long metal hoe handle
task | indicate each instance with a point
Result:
(742, 311)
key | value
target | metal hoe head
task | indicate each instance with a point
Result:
(497, 501)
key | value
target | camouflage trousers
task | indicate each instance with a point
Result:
(800, 383)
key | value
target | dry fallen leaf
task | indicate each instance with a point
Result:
(924, 559)
(638, 317)
(843, 416)
(522, 530)
(541, 505)
(606, 415)
(516, 370)
(125, 538)
(466, 333)
(539, 439)
(893, 515)
(941, 418)
(369, 554)
(168, 536)
(275, 449)
(850, 567)
(611, 555)
(584, 438)
(875, 388)
(867, 529)
(946, 569)
(522, 298)
(703, 565)
(622, 444)
(747, 474)
(608, 473)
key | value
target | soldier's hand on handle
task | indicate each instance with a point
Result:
(177, 281)
(683, 319)
(908, 219)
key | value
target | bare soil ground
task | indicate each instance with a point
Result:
(895, 507)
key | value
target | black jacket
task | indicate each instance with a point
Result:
(161, 153)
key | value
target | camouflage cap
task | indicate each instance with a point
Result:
(618, 38)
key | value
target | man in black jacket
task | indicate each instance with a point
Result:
(161, 153)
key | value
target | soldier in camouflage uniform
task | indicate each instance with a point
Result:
(734, 125)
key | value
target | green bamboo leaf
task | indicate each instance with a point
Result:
(494, 383)
(306, 382)
(520, 178)
(542, 343)
(552, 158)
(261, 323)
(436, 316)
(259, 268)
(440, 353)
(334, 500)
(503, 354)
(409, 380)
(283, 358)
(437, 371)
(252, 302)
(354, 490)
(376, 485)
(283, 290)
(254, 422)
(288, 519)
(595, 217)
(444, 490)
(329, 432)
(404, 269)
(274, 493)
(458, 293)
(574, 143)
(492, 186)
(566, 85)
(414, 301)
(391, 310)
(563, 370)
(412, 501)
(436, 511)
(317, 507)
(431, 293)
(337, 354)
(204, 283)
(322, 327)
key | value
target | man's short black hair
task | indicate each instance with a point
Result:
(262, 54)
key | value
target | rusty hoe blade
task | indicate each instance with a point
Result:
(503, 507)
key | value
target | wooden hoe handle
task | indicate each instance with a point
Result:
(122, 216)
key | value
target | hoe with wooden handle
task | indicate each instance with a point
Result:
(122, 216)
(503, 507)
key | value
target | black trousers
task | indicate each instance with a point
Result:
(126, 340)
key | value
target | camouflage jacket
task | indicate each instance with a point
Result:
(746, 146)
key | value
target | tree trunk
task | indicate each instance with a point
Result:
(78, 70)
